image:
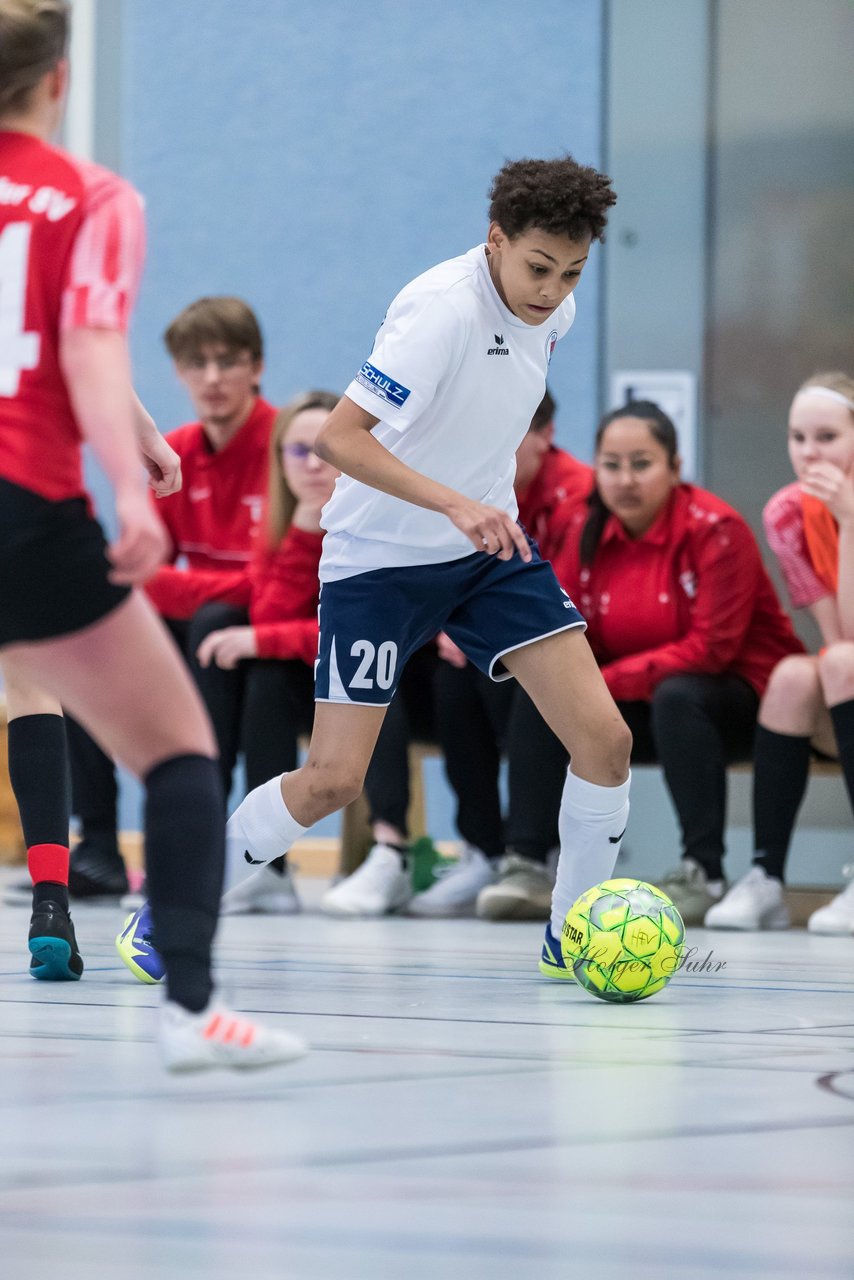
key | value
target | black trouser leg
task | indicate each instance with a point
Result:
(221, 690)
(278, 706)
(538, 762)
(410, 717)
(94, 790)
(471, 722)
(700, 723)
(387, 778)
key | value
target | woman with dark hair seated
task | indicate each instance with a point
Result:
(687, 629)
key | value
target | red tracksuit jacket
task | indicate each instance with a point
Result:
(279, 588)
(690, 595)
(560, 486)
(213, 520)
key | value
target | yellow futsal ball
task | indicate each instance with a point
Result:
(623, 940)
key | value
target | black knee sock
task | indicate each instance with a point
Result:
(38, 771)
(185, 851)
(842, 716)
(781, 765)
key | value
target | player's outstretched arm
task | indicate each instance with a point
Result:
(96, 367)
(345, 441)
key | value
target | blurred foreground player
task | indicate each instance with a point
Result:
(71, 248)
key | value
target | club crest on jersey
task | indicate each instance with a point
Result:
(551, 343)
(386, 388)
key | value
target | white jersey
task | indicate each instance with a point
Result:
(454, 378)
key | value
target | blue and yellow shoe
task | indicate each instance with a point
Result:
(53, 946)
(135, 947)
(551, 960)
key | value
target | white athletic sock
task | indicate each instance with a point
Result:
(260, 826)
(592, 822)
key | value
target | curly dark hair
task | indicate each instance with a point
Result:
(557, 196)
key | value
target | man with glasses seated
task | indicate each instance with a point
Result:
(212, 521)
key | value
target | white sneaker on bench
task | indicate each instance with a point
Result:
(838, 916)
(382, 884)
(754, 902)
(457, 887)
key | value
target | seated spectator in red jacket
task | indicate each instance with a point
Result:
(809, 701)
(472, 711)
(217, 348)
(687, 628)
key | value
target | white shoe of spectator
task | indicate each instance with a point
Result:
(838, 916)
(457, 886)
(382, 884)
(754, 902)
(268, 891)
(217, 1037)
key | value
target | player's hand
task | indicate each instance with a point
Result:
(227, 647)
(832, 486)
(142, 544)
(162, 464)
(489, 529)
(450, 652)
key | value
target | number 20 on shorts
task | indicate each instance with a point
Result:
(385, 658)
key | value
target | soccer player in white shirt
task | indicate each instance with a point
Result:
(422, 533)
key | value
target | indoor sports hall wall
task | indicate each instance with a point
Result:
(314, 158)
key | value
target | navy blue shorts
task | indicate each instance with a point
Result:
(371, 623)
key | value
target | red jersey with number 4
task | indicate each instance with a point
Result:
(72, 243)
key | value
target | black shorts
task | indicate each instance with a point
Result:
(53, 567)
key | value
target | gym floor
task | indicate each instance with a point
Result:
(458, 1115)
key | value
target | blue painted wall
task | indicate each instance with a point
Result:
(314, 158)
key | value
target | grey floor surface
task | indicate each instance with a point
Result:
(458, 1116)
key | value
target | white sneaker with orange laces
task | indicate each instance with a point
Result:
(217, 1037)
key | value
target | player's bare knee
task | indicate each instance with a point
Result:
(332, 788)
(836, 672)
(619, 744)
(794, 684)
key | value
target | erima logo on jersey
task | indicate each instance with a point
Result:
(499, 349)
(381, 385)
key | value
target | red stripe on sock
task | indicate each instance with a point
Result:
(48, 862)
